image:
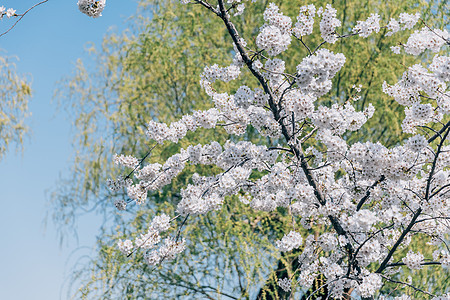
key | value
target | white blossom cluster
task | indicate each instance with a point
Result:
(366, 28)
(370, 285)
(167, 252)
(441, 67)
(285, 284)
(424, 39)
(396, 49)
(126, 161)
(125, 246)
(168, 248)
(161, 223)
(443, 297)
(239, 9)
(215, 72)
(120, 204)
(290, 241)
(305, 21)
(10, 12)
(315, 72)
(443, 256)
(367, 193)
(406, 21)
(417, 81)
(119, 183)
(413, 260)
(417, 143)
(275, 35)
(339, 119)
(92, 8)
(329, 23)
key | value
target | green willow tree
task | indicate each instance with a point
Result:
(152, 72)
(15, 92)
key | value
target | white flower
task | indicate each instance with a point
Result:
(152, 258)
(443, 297)
(305, 21)
(393, 26)
(328, 24)
(274, 36)
(285, 284)
(417, 143)
(396, 49)
(126, 161)
(424, 39)
(370, 285)
(92, 8)
(409, 20)
(120, 204)
(148, 240)
(422, 111)
(413, 260)
(10, 12)
(365, 28)
(290, 241)
(257, 64)
(402, 297)
(171, 248)
(125, 246)
(240, 9)
(161, 223)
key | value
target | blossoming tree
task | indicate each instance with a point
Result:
(371, 199)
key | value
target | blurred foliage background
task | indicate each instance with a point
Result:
(15, 91)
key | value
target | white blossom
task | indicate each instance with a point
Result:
(125, 246)
(240, 9)
(285, 284)
(92, 8)
(274, 36)
(328, 24)
(160, 223)
(396, 49)
(413, 260)
(120, 204)
(417, 143)
(305, 21)
(370, 284)
(365, 28)
(424, 39)
(126, 161)
(10, 12)
(290, 241)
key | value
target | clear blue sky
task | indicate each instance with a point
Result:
(47, 42)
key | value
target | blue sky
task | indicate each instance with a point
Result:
(47, 42)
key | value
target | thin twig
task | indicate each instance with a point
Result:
(407, 284)
(21, 16)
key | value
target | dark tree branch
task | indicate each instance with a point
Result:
(416, 215)
(429, 263)
(431, 139)
(367, 195)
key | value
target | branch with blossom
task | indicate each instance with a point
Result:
(91, 8)
(11, 13)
